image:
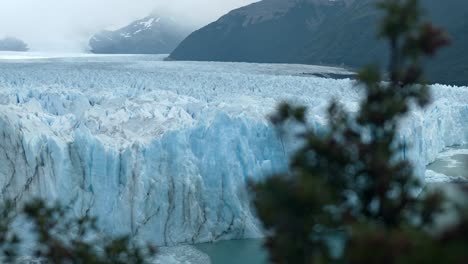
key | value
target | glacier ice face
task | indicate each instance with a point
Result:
(164, 150)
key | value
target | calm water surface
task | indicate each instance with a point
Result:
(453, 163)
(236, 252)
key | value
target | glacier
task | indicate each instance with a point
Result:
(163, 150)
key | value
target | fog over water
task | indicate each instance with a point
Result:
(66, 25)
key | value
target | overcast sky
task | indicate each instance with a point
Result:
(66, 25)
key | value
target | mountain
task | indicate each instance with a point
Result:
(450, 66)
(350, 40)
(324, 32)
(266, 31)
(12, 44)
(150, 35)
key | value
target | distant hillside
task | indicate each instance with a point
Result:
(267, 31)
(12, 44)
(150, 35)
(340, 32)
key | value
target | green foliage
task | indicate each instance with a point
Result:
(351, 179)
(62, 238)
(9, 242)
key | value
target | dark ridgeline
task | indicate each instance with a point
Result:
(150, 35)
(267, 31)
(340, 32)
(12, 44)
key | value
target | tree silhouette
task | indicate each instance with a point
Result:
(61, 238)
(350, 183)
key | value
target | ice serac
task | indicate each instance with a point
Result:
(185, 185)
(163, 150)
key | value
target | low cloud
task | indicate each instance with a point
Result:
(66, 25)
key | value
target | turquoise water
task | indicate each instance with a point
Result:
(452, 163)
(235, 252)
(459, 167)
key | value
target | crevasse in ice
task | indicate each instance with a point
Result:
(163, 150)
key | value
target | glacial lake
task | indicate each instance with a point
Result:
(452, 163)
(450, 166)
(248, 251)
